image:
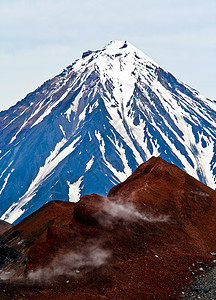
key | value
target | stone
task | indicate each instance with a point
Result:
(207, 288)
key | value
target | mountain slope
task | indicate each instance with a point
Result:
(88, 129)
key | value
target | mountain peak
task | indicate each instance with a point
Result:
(124, 47)
(121, 65)
(89, 128)
(118, 50)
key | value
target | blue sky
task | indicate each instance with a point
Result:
(40, 38)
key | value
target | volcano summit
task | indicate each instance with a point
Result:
(88, 129)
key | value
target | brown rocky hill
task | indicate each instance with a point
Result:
(16, 242)
(146, 240)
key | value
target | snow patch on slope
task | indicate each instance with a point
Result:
(89, 164)
(75, 190)
(6, 181)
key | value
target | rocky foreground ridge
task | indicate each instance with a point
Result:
(147, 239)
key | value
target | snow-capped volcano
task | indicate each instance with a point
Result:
(89, 128)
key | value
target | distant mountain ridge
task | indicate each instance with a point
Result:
(89, 128)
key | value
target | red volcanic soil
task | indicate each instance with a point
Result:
(33, 229)
(145, 240)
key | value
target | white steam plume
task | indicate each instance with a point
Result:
(67, 264)
(126, 211)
